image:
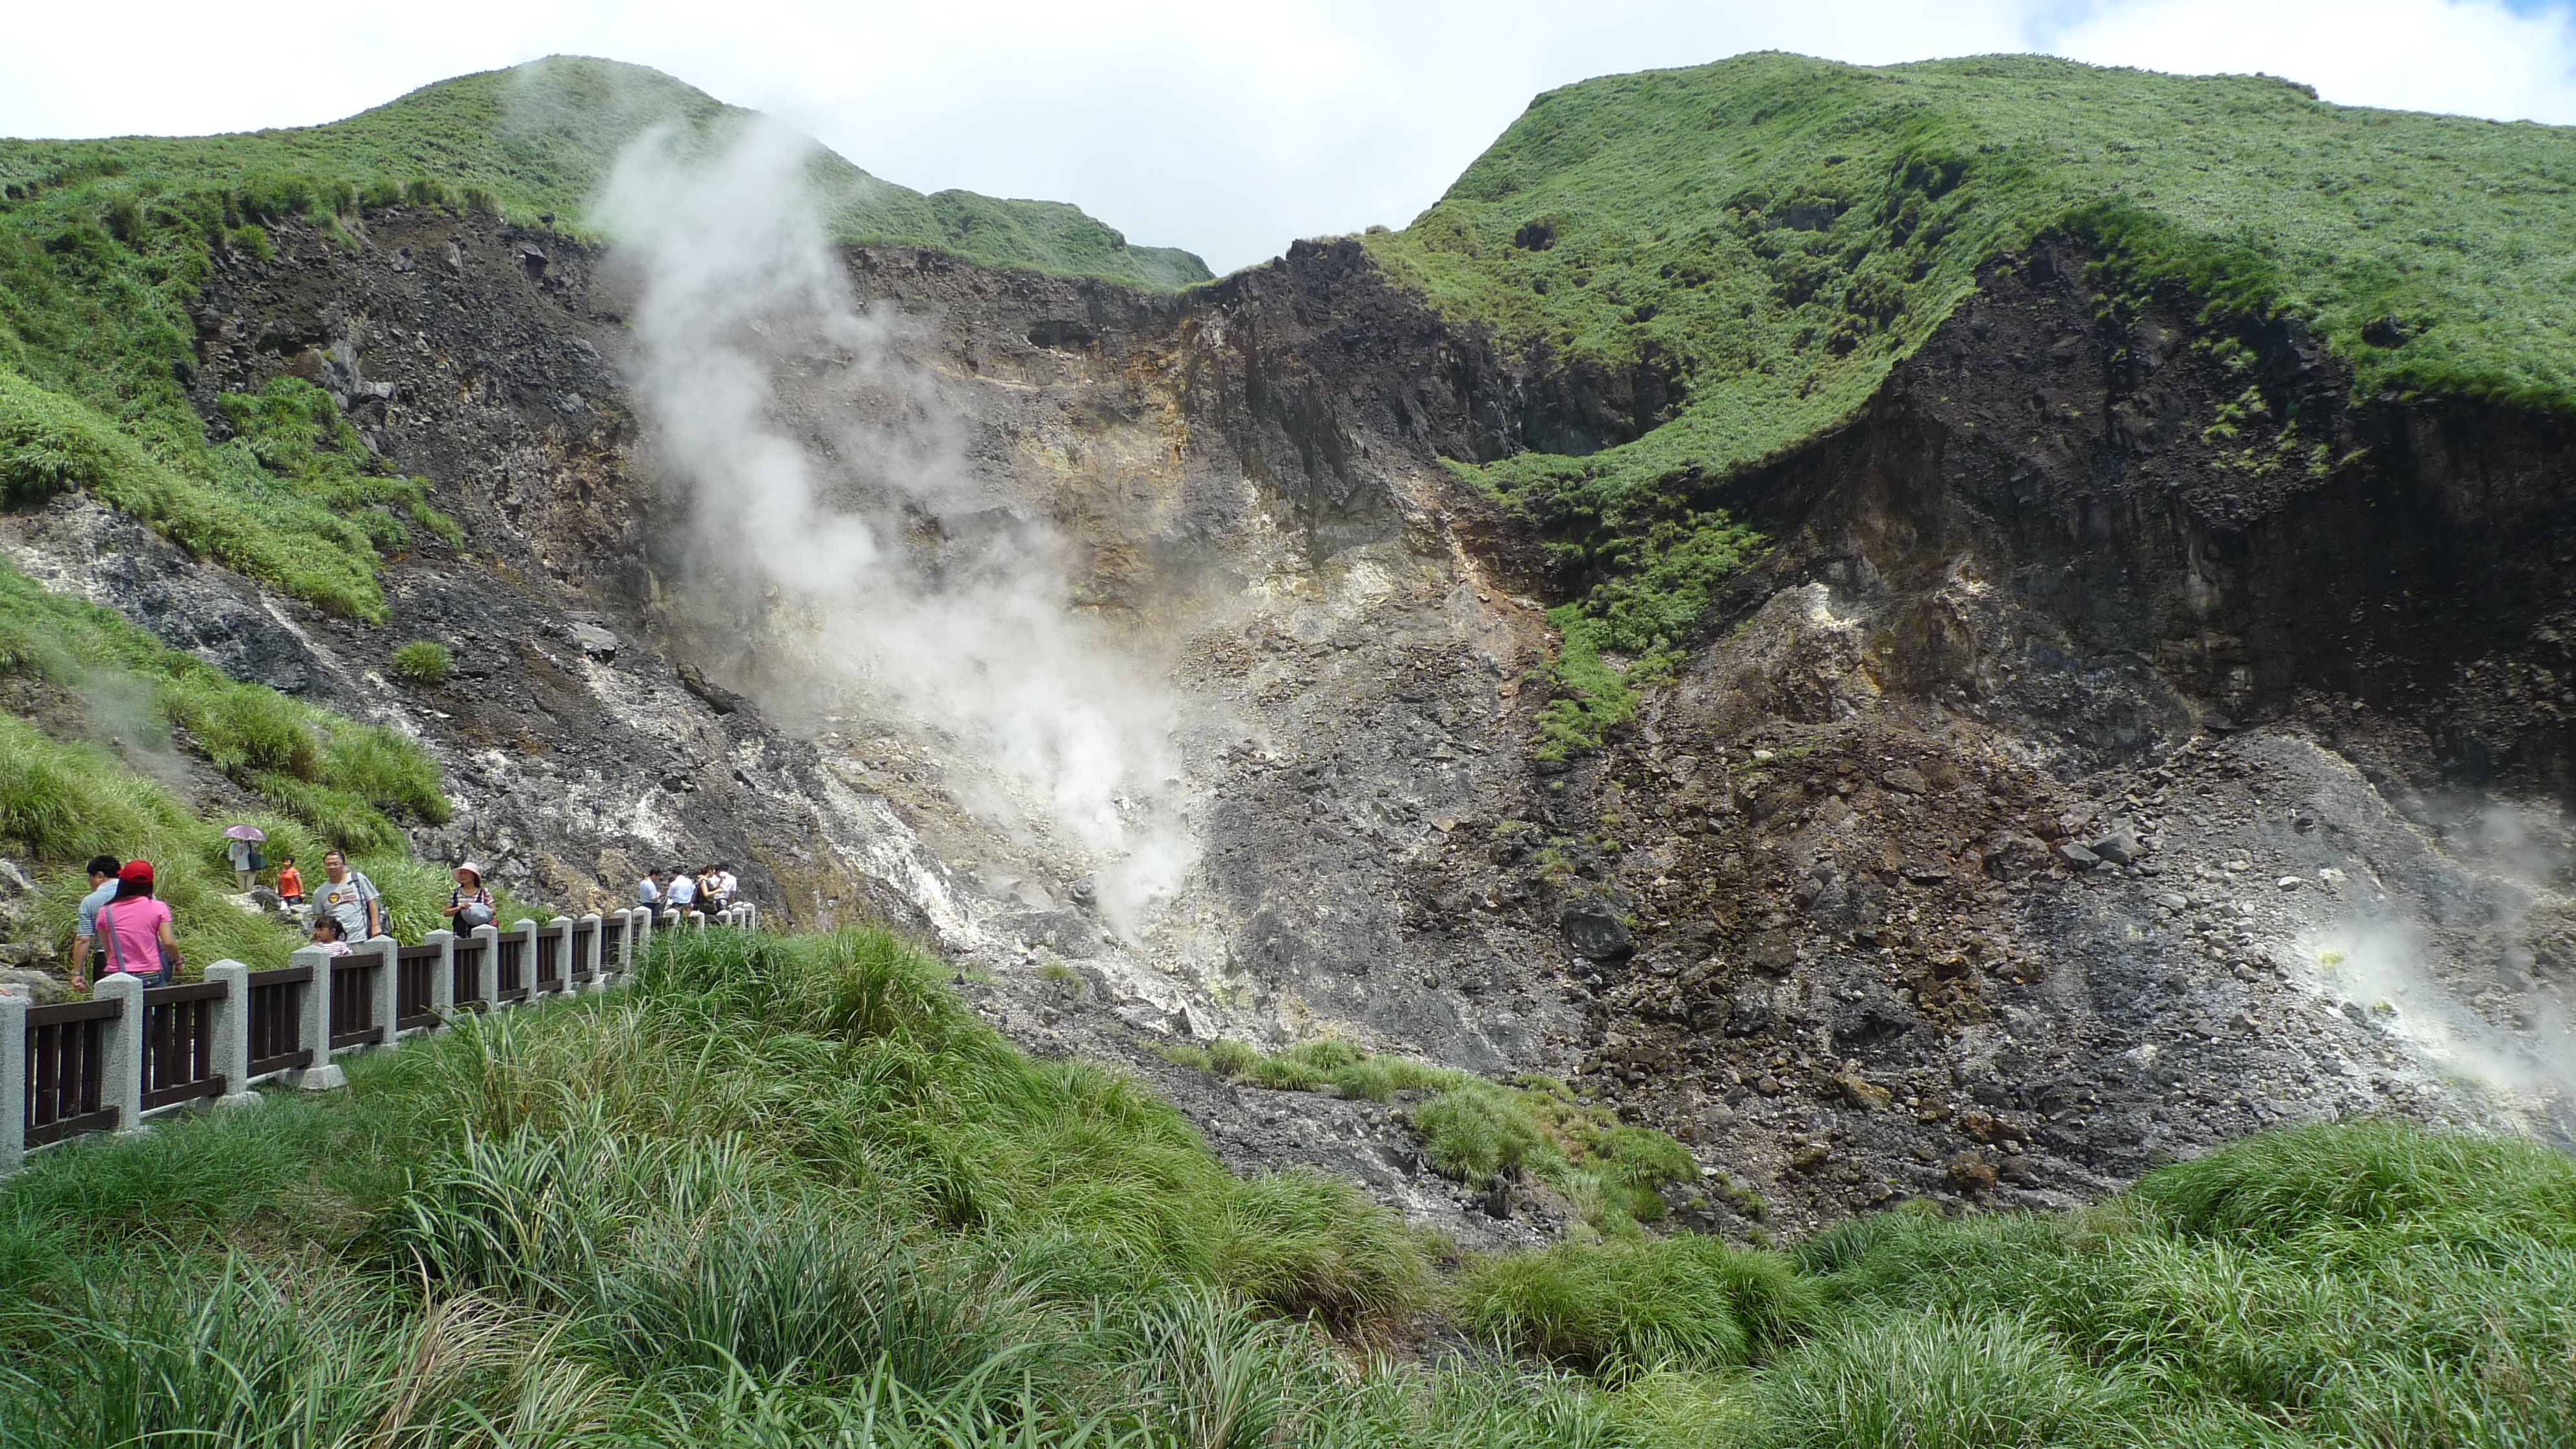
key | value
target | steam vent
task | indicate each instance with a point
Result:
(1812, 640)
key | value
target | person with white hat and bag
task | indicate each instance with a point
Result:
(469, 904)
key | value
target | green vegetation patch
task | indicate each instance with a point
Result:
(789, 1192)
(1772, 233)
(423, 661)
(323, 779)
(1473, 1129)
(538, 141)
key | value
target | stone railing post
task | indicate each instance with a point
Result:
(388, 1003)
(232, 1032)
(590, 952)
(14, 1002)
(564, 984)
(442, 985)
(121, 1080)
(526, 931)
(324, 1075)
(638, 936)
(487, 974)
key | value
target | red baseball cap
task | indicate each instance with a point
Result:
(136, 872)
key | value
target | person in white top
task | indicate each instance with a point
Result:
(725, 885)
(648, 891)
(683, 893)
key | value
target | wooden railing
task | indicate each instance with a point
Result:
(416, 971)
(66, 1075)
(106, 1063)
(179, 1044)
(353, 1000)
(276, 1021)
(551, 943)
(512, 951)
(465, 976)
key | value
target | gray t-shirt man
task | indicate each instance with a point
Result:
(346, 900)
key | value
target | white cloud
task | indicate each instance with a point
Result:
(1228, 130)
(2472, 57)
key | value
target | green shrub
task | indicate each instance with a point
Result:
(424, 661)
(1626, 1306)
(1304, 1242)
(1933, 1382)
(2389, 1180)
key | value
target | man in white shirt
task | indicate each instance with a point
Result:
(102, 889)
(726, 885)
(648, 891)
(683, 893)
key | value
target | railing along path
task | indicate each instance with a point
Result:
(131, 1052)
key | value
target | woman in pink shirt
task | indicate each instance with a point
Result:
(137, 928)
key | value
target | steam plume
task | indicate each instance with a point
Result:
(855, 553)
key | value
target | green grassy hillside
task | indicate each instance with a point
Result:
(1778, 231)
(538, 140)
(792, 1192)
(104, 243)
(105, 784)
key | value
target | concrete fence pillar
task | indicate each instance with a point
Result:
(121, 1077)
(442, 984)
(13, 1078)
(232, 1032)
(526, 931)
(590, 951)
(637, 938)
(323, 1075)
(388, 986)
(487, 974)
(561, 928)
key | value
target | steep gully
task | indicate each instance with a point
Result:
(1827, 911)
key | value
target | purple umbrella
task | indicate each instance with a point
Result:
(245, 832)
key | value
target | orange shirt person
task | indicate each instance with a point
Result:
(290, 882)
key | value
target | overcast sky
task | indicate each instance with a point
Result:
(1230, 129)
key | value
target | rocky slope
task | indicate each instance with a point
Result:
(2074, 782)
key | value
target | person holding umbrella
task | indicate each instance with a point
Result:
(244, 853)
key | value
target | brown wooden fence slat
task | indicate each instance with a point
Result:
(276, 1025)
(353, 1002)
(66, 1070)
(179, 1044)
(513, 971)
(415, 968)
(469, 974)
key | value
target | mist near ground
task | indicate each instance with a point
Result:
(845, 561)
(1228, 132)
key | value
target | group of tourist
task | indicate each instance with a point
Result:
(124, 928)
(708, 891)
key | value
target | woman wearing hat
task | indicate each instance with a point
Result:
(468, 905)
(136, 928)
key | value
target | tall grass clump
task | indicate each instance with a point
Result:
(1627, 1306)
(423, 661)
